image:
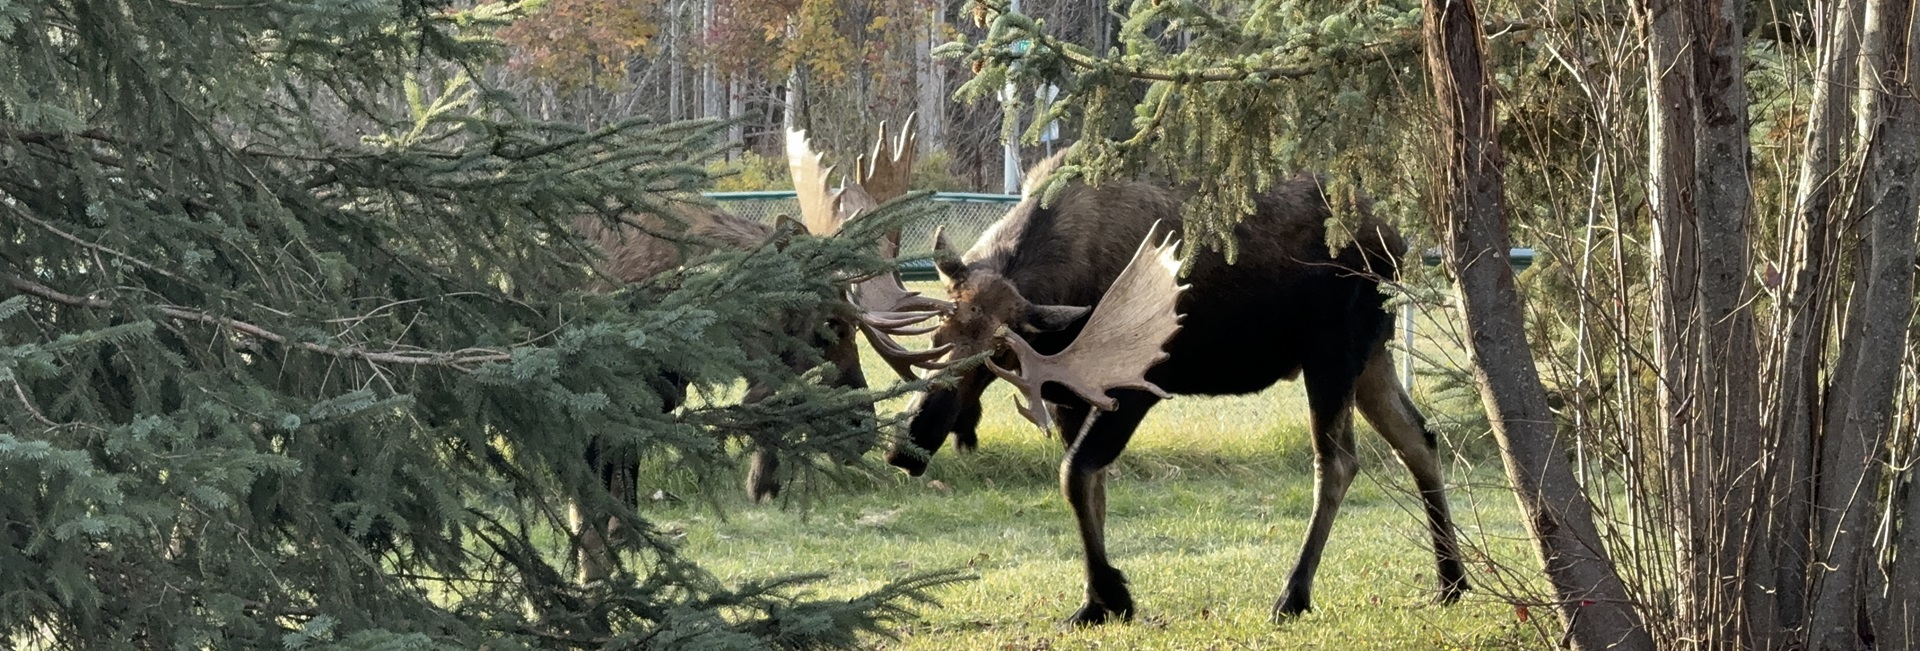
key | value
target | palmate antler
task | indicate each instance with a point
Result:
(887, 308)
(819, 206)
(1123, 337)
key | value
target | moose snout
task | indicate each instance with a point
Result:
(933, 415)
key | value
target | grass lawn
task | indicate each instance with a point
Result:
(1207, 510)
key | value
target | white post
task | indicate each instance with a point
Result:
(1010, 155)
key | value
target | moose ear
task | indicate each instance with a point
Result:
(785, 227)
(945, 260)
(1048, 318)
(788, 223)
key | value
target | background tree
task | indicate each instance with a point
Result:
(1588, 593)
(296, 352)
(860, 63)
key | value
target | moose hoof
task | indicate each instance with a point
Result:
(1093, 614)
(1450, 591)
(1288, 608)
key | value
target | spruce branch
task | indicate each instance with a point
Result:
(1404, 42)
(23, 214)
(461, 360)
(32, 410)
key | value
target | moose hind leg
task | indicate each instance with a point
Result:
(1331, 401)
(1083, 481)
(763, 474)
(1387, 407)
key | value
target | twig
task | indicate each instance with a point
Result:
(1202, 75)
(458, 360)
(28, 403)
(49, 293)
(90, 245)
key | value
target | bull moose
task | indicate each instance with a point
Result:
(639, 247)
(1288, 307)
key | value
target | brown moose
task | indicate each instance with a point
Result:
(1286, 308)
(640, 247)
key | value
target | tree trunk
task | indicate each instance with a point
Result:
(1856, 437)
(1899, 620)
(1591, 599)
(1811, 267)
(933, 87)
(713, 95)
(736, 111)
(676, 63)
(1709, 394)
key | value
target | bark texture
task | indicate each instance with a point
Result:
(1853, 458)
(1592, 600)
(1899, 621)
(1811, 267)
(1700, 198)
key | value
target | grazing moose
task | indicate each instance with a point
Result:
(1285, 309)
(640, 247)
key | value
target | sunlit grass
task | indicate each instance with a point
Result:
(1207, 509)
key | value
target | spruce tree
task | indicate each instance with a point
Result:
(299, 349)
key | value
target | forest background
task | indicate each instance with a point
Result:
(834, 69)
(304, 275)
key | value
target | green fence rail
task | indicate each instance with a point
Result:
(965, 214)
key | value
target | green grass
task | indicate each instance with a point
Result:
(1207, 510)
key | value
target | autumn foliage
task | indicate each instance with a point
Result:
(575, 43)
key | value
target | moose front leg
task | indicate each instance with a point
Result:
(967, 423)
(1331, 400)
(763, 474)
(1094, 441)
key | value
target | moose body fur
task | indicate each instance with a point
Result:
(1285, 308)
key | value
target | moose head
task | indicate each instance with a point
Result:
(1119, 338)
(883, 306)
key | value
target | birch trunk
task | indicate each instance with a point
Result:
(676, 63)
(933, 87)
(736, 111)
(713, 96)
(1591, 599)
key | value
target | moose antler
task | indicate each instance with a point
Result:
(1121, 341)
(819, 208)
(887, 174)
(887, 308)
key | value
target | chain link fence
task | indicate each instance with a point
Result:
(965, 214)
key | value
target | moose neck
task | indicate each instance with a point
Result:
(1069, 252)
